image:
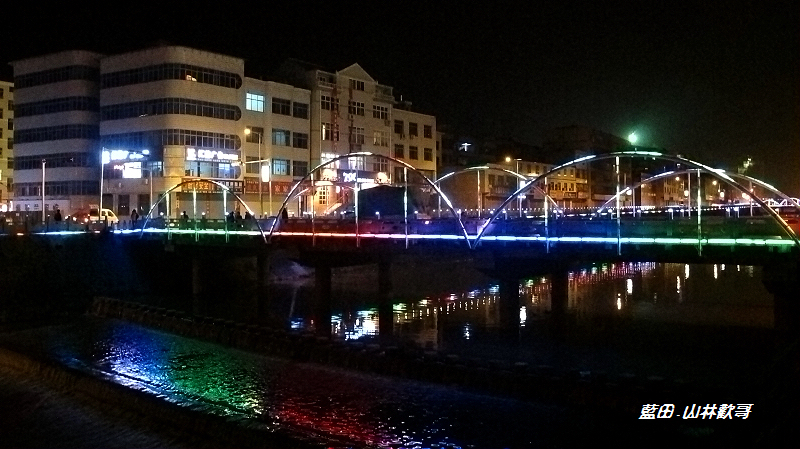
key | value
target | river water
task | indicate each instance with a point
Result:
(708, 323)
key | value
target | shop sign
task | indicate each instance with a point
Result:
(200, 154)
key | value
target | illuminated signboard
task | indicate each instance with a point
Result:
(123, 155)
(130, 170)
(199, 154)
(354, 176)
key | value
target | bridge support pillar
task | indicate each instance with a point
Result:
(508, 307)
(322, 300)
(783, 282)
(197, 286)
(559, 300)
(262, 292)
(385, 312)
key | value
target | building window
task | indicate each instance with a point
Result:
(254, 102)
(355, 107)
(299, 168)
(328, 103)
(300, 110)
(399, 151)
(380, 139)
(398, 127)
(2, 92)
(427, 154)
(356, 163)
(328, 132)
(357, 85)
(412, 129)
(281, 137)
(381, 112)
(427, 131)
(380, 165)
(281, 106)
(255, 135)
(357, 135)
(251, 166)
(280, 167)
(300, 140)
(322, 196)
(413, 153)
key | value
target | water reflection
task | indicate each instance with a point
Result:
(309, 400)
(638, 290)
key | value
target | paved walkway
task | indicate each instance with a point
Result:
(33, 415)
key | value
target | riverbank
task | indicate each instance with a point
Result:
(46, 404)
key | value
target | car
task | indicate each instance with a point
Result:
(93, 217)
(106, 214)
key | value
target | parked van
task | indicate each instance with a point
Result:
(105, 214)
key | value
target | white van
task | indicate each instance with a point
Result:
(104, 214)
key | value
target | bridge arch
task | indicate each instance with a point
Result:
(511, 172)
(719, 174)
(787, 200)
(220, 185)
(293, 191)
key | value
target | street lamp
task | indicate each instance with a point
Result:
(516, 170)
(44, 161)
(247, 131)
(105, 157)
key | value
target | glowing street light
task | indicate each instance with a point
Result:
(516, 170)
(262, 173)
(632, 138)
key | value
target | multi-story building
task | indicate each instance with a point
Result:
(138, 124)
(56, 135)
(6, 145)
(351, 112)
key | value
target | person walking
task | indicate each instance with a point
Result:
(134, 217)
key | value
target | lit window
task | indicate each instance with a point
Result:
(254, 102)
(380, 138)
(281, 137)
(280, 167)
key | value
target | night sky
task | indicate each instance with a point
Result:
(714, 81)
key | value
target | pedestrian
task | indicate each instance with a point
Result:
(57, 215)
(134, 216)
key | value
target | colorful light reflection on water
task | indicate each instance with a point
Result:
(310, 400)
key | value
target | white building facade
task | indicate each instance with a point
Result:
(161, 119)
(6, 146)
(185, 121)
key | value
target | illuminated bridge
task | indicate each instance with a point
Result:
(766, 223)
(544, 240)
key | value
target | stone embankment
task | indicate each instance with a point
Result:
(623, 394)
(182, 426)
